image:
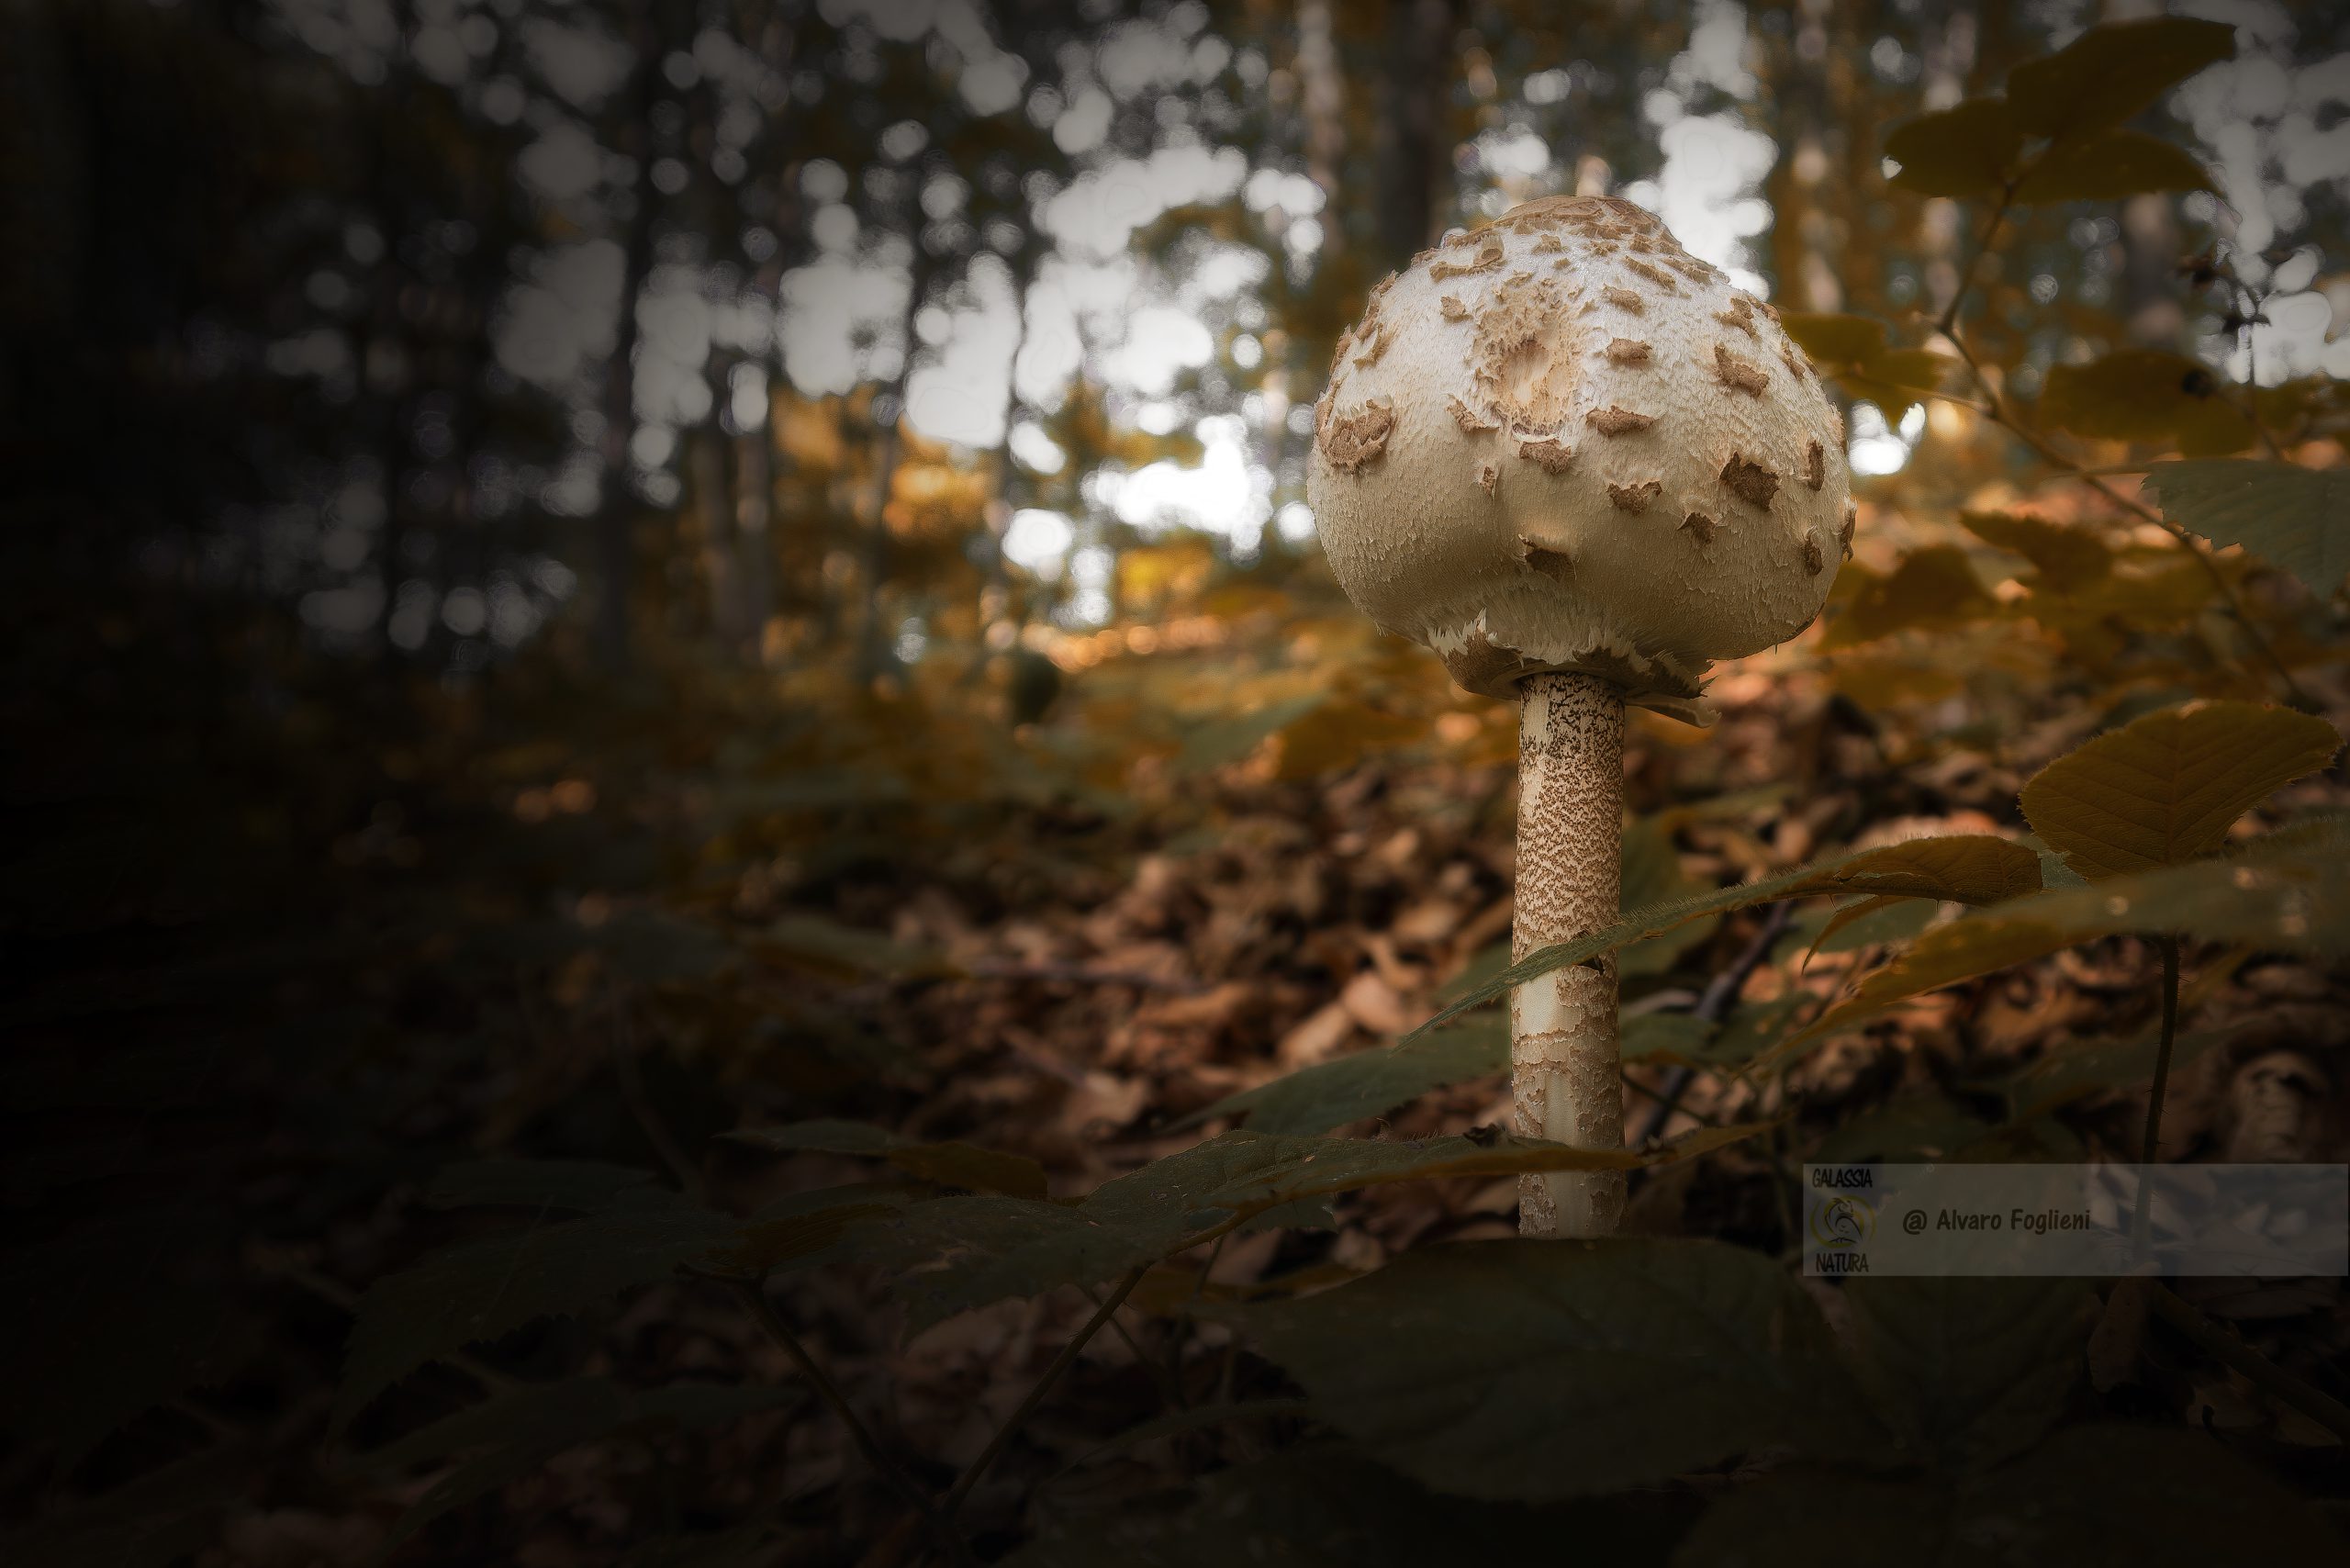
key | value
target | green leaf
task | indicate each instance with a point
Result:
(2076, 1069)
(1968, 1373)
(2066, 558)
(114, 1317)
(2166, 788)
(1932, 589)
(1962, 868)
(2287, 899)
(165, 1516)
(1921, 1124)
(1680, 1038)
(577, 1186)
(1221, 742)
(483, 1289)
(1543, 1370)
(1834, 340)
(962, 1253)
(2110, 166)
(2128, 1496)
(1324, 1506)
(803, 1229)
(2293, 516)
(946, 1164)
(2144, 394)
(1968, 150)
(1365, 1084)
(2109, 73)
(515, 1434)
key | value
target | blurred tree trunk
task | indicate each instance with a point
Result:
(722, 568)
(1413, 154)
(876, 646)
(754, 512)
(615, 535)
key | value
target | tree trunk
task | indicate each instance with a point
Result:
(615, 536)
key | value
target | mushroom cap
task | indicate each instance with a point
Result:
(1560, 442)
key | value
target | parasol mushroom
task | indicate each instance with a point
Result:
(1579, 466)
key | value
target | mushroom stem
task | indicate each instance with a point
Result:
(1566, 1064)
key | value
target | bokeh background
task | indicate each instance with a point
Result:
(584, 574)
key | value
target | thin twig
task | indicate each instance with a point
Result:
(1168, 1388)
(2257, 1369)
(1997, 412)
(1061, 1363)
(754, 1297)
(1982, 248)
(1720, 996)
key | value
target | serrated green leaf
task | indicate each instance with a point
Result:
(1968, 149)
(964, 1252)
(951, 1164)
(114, 1317)
(2294, 901)
(2111, 165)
(1962, 868)
(1543, 1370)
(1833, 339)
(2299, 518)
(512, 1436)
(2076, 1069)
(1681, 1038)
(577, 1186)
(2111, 73)
(1966, 1373)
(1365, 1084)
(2144, 394)
(485, 1289)
(2143, 1497)
(2066, 558)
(1221, 742)
(2166, 788)
(1921, 1124)
(1324, 1506)
(1932, 589)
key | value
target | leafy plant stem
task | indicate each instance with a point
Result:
(1967, 273)
(2149, 1146)
(1997, 412)
(1061, 1363)
(754, 1297)
(2256, 1369)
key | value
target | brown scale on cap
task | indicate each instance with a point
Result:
(1618, 421)
(1352, 440)
(1743, 374)
(1750, 481)
(1623, 298)
(1487, 257)
(1450, 307)
(1523, 358)
(1815, 560)
(1701, 527)
(1487, 476)
(1548, 562)
(1815, 465)
(1374, 343)
(1852, 526)
(1549, 244)
(1470, 419)
(1739, 315)
(1635, 497)
(1551, 455)
(1797, 365)
(1656, 276)
(1627, 350)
